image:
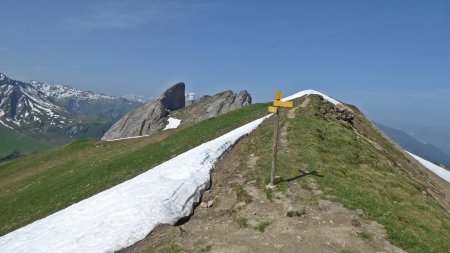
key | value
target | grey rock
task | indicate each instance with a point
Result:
(150, 117)
(339, 111)
(211, 106)
(345, 113)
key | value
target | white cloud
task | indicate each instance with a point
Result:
(126, 14)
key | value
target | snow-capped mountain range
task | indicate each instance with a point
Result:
(39, 107)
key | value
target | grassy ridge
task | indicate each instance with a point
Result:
(353, 172)
(367, 176)
(11, 140)
(35, 186)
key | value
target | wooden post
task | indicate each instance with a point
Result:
(275, 109)
(276, 125)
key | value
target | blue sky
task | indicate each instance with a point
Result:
(390, 58)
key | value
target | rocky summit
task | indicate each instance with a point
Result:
(150, 117)
(154, 116)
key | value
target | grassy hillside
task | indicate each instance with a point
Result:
(351, 164)
(12, 140)
(357, 167)
(91, 127)
(37, 185)
(363, 170)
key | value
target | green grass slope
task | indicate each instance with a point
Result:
(37, 185)
(356, 166)
(11, 140)
(363, 170)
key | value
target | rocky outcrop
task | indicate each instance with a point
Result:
(212, 106)
(225, 102)
(153, 116)
(149, 118)
(339, 111)
(173, 98)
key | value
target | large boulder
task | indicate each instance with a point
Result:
(212, 106)
(150, 117)
(173, 98)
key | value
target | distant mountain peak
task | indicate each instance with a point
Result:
(34, 82)
(191, 97)
(35, 107)
(137, 98)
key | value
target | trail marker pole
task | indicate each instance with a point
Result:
(276, 130)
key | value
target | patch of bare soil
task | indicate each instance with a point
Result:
(241, 218)
(291, 113)
(283, 137)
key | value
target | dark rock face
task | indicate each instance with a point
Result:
(149, 118)
(173, 98)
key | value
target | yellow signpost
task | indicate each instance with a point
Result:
(276, 121)
(273, 109)
(287, 104)
(278, 103)
(278, 95)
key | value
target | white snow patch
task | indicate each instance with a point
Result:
(33, 108)
(311, 92)
(17, 122)
(441, 172)
(173, 123)
(3, 123)
(191, 96)
(137, 98)
(49, 112)
(124, 214)
(60, 91)
(127, 138)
